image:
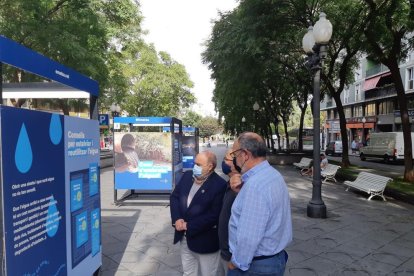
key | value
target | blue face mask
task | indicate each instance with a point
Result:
(225, 168)
(197, 171)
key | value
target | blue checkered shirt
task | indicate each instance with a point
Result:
(260, 222)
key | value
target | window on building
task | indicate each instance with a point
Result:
(358, 111)
(346, 96)
(410, 104)
(357, 92)
(370, 109)
(348, 112)
(410, 78)
(386, 107)
(358, 72)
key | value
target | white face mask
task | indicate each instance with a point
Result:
(197, 171)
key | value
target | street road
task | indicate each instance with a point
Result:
(390, 169)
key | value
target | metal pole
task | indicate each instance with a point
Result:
(316, 207)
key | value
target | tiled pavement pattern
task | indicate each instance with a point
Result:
(359, 237)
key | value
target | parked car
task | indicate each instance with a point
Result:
(388, 146)
(334, 148)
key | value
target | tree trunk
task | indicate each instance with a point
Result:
(286, 132)
(344, 134)
(405, 121)
(300, 131)
(272, 143)
(63, 104)
(276, 124)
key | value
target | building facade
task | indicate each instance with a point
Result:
(370, 103)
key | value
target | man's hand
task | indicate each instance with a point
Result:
(236, 182)
(231, 266)
(180, 225)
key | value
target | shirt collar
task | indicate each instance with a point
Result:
(254, 170)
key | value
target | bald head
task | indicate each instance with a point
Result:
(209, 158)
(252, 142)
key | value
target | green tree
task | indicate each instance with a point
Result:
(388, 33)
(209, 126)
(191, 118)
(159, 86)
(78, 34)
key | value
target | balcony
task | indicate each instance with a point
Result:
(381, 92)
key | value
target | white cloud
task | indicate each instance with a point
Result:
(180, 27)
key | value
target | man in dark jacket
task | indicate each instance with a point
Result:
(227, 167)
(195, 206)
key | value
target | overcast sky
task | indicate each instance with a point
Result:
(180, 27)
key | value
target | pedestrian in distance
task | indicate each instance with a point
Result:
(354, 146)
(324, 164)
(195, 206)
(227, 167)
(260, 226)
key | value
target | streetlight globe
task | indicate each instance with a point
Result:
(118, 108)
(256, 106)
(322, 30)
(308, 41)
(364, 120)
(243, 120)
(113, 107)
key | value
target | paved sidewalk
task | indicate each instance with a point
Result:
(359, 237)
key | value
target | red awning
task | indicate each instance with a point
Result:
(372, 82)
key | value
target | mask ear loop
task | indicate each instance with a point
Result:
(245, 160)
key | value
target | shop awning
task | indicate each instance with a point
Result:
(372, 82)
(360, 125)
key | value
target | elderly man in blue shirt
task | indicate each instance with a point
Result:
(260, 226)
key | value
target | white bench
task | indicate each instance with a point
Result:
(372, 184)
(303, 164)
(329, 172)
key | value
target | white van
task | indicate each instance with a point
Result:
(385, 145)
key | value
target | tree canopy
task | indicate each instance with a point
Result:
(102, 40)
(254, 54)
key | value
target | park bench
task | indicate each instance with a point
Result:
(304, 163)
(372, 184)
(329, 172)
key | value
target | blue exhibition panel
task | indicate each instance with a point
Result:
(51, 193)
(50, 178)
(147, 161)
(190, 146)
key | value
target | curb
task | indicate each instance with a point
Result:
(399, 196)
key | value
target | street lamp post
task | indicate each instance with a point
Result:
(364, 120)
(115, 109)
(256, 111)
(315, 44)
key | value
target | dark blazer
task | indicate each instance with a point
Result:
(203, 213)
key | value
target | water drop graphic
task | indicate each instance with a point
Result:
(23, 156)
(55, 129)
(52, 220)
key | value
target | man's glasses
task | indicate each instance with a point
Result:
(233, 153)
